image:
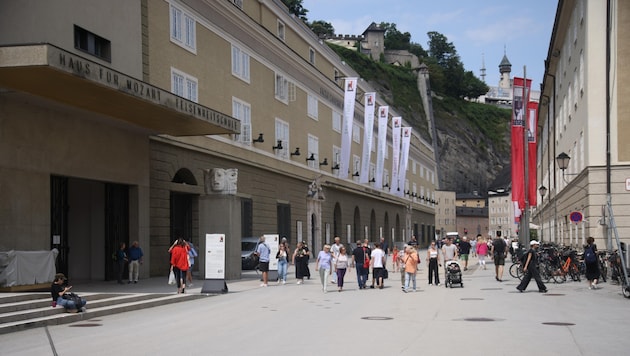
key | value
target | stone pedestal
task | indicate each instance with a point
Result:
(221, 214)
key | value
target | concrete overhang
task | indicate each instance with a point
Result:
(50, 72)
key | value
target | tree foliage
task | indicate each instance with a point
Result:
(296, 8)
(321, 27)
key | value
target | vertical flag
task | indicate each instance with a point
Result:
(350, 93)
(532, 133)
(396, 130)
(368, 134)
(381, 147)
(404, 158)
(519, 99)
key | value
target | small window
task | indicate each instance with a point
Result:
(183, 29)
(184, 85)
(95, 45)
(282, 88)
(311, 106)
(242, 111)
(282, 139)
(281, 30)
(336, 121)
(240, 63)
(311, 56)
(356, 133)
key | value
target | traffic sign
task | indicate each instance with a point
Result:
(576, 217)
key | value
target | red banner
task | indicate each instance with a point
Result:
(532, 134)
(519, 98)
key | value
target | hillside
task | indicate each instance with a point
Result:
(473, 139)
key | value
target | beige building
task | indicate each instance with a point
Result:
(585, 115)
(445, 216)
(501, 214)
(117, 118)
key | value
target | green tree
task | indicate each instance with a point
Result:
(441, 50)
(321, 27)
(296, 8)
(473, 87)
(417, 49)
(395, 39)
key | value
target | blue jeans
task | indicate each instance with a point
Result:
(408, 277)
(361, 275)
(282, 270)
(69, 304)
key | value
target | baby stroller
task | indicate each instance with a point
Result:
(453, 274)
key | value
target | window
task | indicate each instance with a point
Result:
(239, 4)
(240, 63)
(386, 178)
(356, 165)
(95, 45)
(313, 149)
(242, 111)
(183, 85)
(336, 121)
(372, 176)
(311, 56)
(282, 134)
(281, 30)
(183, 29)
(282, 88)
(356, 133)
(312, 106)
(336, 159)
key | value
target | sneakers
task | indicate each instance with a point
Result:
(439, 284)
(518, 289)
(299, 282)
(430, 284)
(404, 290)
(542, 291)
(284, 282)
(263, 285)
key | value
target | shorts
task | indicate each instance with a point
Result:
(499, 260)
(377, 272)
(464, 257)
(263, 266)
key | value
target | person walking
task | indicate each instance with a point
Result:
(395, 258)
(334, 249)
(411, 267)
(482, 250)
(473, 246)
(263, 252)
(464, 251)
(135, 260)
(591, 262)
(361, 261)
(300, 261)
(323, 264)
(179, 263)
(341, 265)
(121, 260)
(499, 252)
(192, 254)
(283, 261)
(400, 262)
(433, 257)
(530, 268)
(378, 260)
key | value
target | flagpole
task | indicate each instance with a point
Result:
(524, 236)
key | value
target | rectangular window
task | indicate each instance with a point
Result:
(282, 88)
(282, 136)
(386, 181)
(281, 30)
(240, 63)
(356, 133)
(336, 121)
(95, 45)
(183, 29)
(336, 159)
(242, 111)
(356, 165)
(239, 4)
(311, 56)
(313, 151)
(183, 85)
(372, 172)
(311, 106)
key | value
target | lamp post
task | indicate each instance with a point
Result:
(563, 161)
(543, 191)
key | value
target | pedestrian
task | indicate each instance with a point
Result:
(283, 260)
(433, 257)
(400, 262)
(361, 261)
(482, 250)
(464, 251)
(300, 260)
(341, 265)
(499, 252)
(530, 269)
(395, 258)
(334, 249)
(323, 264)
(135, 260)
(413, 242)
(179, 263)
(58, 288)
(473, 246)
(384, 246)
(192, 254)
(263, 252)
(591, 262)
(307, 270)
(411, 267)
(121, 260)
(449, 250)
(377, 262)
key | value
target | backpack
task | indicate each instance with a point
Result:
(366, 259)
(589, 255)
(523, 255)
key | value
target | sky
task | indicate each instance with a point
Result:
(480, 30)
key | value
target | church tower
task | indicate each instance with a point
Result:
(505, 68)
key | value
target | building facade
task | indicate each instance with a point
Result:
(179, 119)
(584, 114)
(445, 215)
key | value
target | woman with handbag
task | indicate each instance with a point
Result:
(179, 263)
(341, 265)
(61, 295)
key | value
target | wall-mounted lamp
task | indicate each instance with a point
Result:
(414, 194)
(335, 167)
(563, 161)
(260, 138)
(311, 158)
(296, 152)
(324, 163)
(355, 174)
(372, 180)
(386, 185)
(278, 146)
(407, 193)
(543, 191)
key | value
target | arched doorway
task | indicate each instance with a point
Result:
(337, 227)
(374, 236)
(386, 232)
(357, 225)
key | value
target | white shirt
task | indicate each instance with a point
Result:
(377, 256)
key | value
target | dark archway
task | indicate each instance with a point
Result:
(357, 225)
(386, 230)
(337, 226)
(373, 232)
(184, 176)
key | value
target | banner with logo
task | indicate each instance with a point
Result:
(404, 158)
(519, 99)
(381, 147)
(532, 133)
(350, 93)
(396, 131)
(368, 134)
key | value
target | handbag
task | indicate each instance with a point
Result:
(384, 273)
(171, 278)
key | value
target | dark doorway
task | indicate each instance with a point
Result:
(247, 218)
(284, 222)
(59, 220)
(181, 216)
(116, 224)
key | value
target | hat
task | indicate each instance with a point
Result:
(534, 242)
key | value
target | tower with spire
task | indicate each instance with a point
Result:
(505, 68)
(482, 71)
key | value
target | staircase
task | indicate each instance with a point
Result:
(32, 310)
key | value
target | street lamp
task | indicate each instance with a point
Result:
(543, 191)
(563, 161)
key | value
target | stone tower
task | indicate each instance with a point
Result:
(505, 68)
(374, 41)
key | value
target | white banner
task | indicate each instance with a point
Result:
(273, 241)
(381, 145)
(368, 133)
(396, 130)
(350, 93)
(215, 256)
(404, 158)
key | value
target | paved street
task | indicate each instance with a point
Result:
(483, 318)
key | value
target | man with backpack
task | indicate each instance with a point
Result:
(361, 261)
(592, 266)
(530, 268)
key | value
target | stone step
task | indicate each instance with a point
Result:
(27, 302)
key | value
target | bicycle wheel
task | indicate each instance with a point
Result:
(603, 270)
(574, 272)
(545, 272)
(516, 271)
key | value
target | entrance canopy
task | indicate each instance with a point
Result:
(50, 72)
